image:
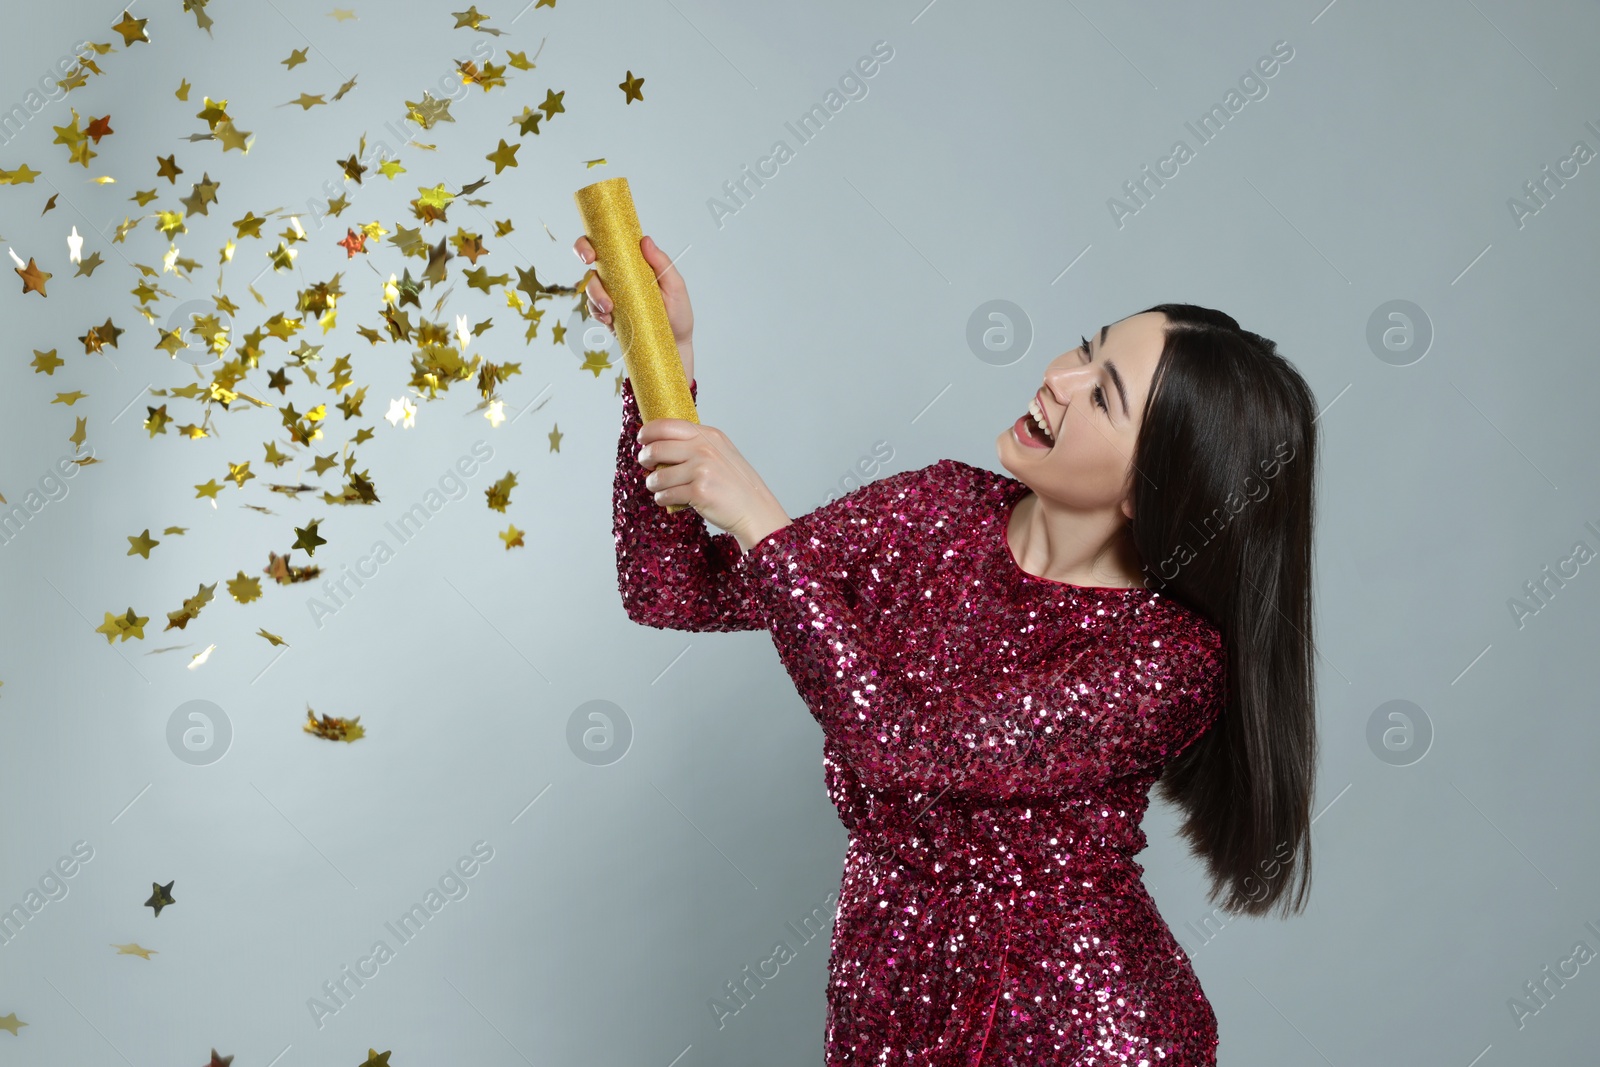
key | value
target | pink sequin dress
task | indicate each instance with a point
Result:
(989, 741)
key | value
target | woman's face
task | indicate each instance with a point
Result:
(1093, 401)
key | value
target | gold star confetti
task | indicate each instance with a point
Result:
(142, 544)
(499, 493)
(132, 29)
(333, 729)
(630, 88)
(124, 626)
(249, 226)
(352, 168)
(503, 156)
(308, 539)
(272, 637)
(133, 948)
(214, 112)
(33, 278)
(198, 9)
(181, 618)
(232, 137)
(243, 588)
(10, 1023)
(512, 537)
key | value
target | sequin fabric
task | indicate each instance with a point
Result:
(990, 739)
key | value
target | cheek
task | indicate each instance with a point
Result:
(1094, 458)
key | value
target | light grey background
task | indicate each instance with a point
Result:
(832, 315)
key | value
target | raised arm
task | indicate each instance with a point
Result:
(1121, 709)
(672, 571)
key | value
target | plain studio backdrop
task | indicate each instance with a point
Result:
(1406, 203)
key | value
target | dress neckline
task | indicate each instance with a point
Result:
(1014, 492)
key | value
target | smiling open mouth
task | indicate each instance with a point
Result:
(1029, 430)
(1037, 427)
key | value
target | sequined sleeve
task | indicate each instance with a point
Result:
(1131, 704)
(673, 573)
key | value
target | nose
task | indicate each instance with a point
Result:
(1067, 377)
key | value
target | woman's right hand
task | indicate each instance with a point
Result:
(674, 294)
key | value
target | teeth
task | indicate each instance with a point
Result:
(1037, 414)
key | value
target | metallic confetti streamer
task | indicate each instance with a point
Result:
(648, 348)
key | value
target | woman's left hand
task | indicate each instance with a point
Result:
(695, 464)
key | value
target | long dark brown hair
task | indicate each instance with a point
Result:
(1222, 522)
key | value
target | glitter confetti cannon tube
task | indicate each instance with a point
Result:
(649, 350)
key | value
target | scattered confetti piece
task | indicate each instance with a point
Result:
(160, 896)
(334, 729)
(133, 948)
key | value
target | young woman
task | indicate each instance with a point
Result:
(1003, 667)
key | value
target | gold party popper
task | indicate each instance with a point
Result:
(649, 351)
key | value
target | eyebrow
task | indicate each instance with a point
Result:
(1111, 369)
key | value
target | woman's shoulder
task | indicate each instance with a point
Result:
(1180, 634)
